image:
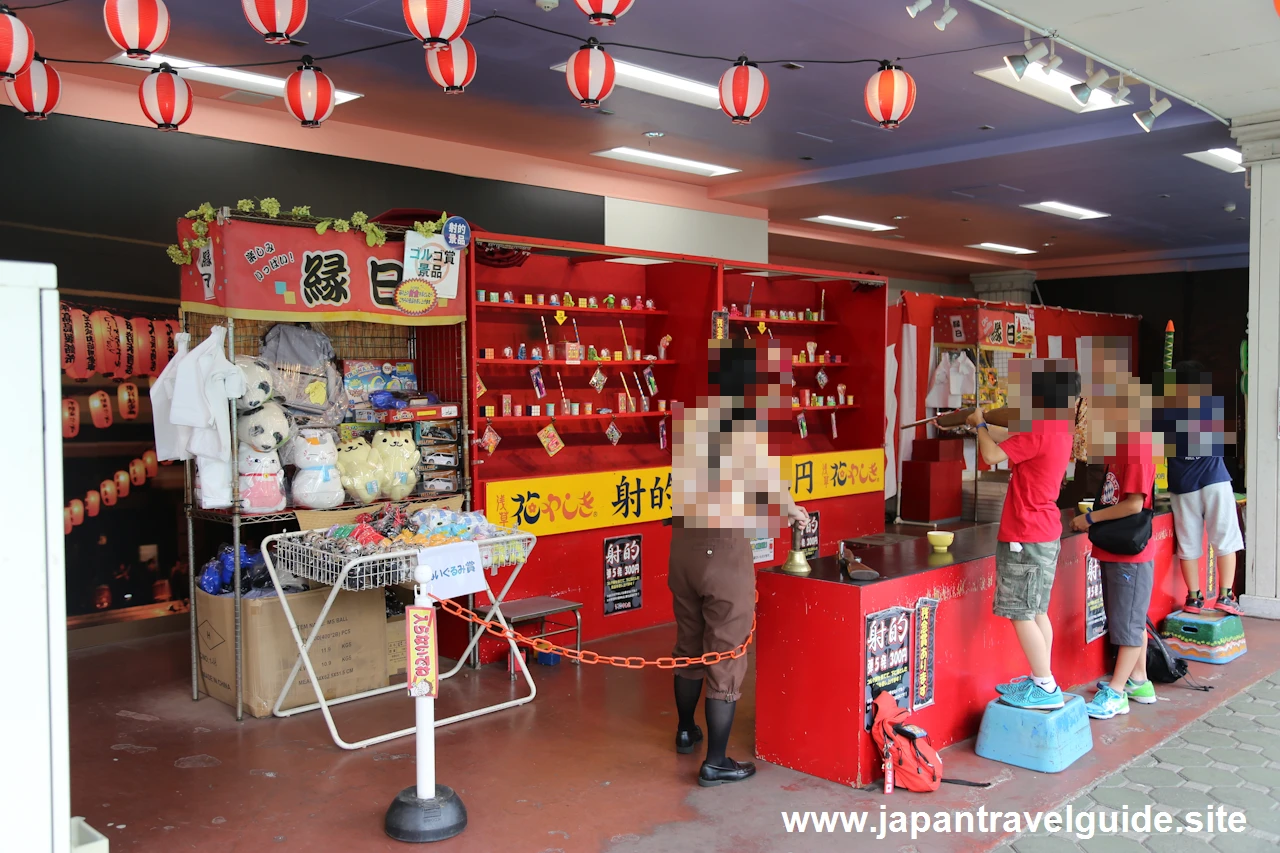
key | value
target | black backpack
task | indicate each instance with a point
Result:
(1164, 666)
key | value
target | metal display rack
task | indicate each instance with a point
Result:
(290, 552)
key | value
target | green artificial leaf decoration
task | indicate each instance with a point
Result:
(206, 212)
(245, 205)
(178, 256)
(374, 236)
(191, 214)
(323, 225)
(200, 227)
(341, 225)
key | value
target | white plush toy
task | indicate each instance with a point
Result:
(258, 388)
(395, 453)
(261, 480)
(317, 484)
(265, 428)
(358, 470)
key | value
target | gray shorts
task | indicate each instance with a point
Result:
(1024, 579)
(1212, 508)
(1126, 594)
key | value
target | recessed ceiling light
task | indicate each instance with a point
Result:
(233, 78)
(664, 161)
(1003, 249)
(856, 224)
(1226, 159)
(654, 134)
(1068, 210)
(660, 83)
(900, 216)
(1052, 86)
(792, 66)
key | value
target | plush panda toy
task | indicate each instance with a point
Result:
(261, 480)
(397, 456)
(264, 428)
(317, 484)
(359, 473)
(257, 383)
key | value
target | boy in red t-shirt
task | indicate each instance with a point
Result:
(1038, 449)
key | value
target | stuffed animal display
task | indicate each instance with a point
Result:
(317, 484)
(395, 453)
(257, 384)
(358, 470)
(265, 428)
(261, 480)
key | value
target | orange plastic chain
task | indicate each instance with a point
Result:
(496, 629)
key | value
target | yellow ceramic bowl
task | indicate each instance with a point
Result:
(1085, 506)
(940, 540)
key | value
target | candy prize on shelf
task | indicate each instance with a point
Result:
(613, 433)
(480, 387)
(812, 348)
(650, 381)
(550, 439)
(598, 380)
(821, 378)
(662, 434)
(662, 347)
(804, 427)
(539, 387)
(834, 432)
(840, 396)
(489, 441)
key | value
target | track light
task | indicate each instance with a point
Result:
(1083, 91)
(948, 15)
(1121, 93)
(919, 6)
(1052, 64)
(1018, 63)
(1146, 118)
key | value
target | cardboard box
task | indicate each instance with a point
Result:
(349, 654)
(425, 413)
(397, 656)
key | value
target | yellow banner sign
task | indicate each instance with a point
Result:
(547, 505)
(1162, 475)
(420, 648)
(831, 475)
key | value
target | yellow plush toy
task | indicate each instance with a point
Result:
(397, 459)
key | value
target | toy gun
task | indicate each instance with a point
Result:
(956, 418)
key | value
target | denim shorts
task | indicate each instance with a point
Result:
(1024, 579)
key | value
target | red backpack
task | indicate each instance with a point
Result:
(909, 757)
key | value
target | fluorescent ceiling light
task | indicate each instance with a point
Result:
(662, 84)
(664, 161)
(232, 78)
(1051, 86)
(999, 247)
(1226, 159)
(639, 262)
(850, 223)
(1068, 210)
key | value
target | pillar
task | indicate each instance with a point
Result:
(1007, 286)
(1259, 139)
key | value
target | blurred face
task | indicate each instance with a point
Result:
(1040, 389)
(1119, 405)
(769, 387)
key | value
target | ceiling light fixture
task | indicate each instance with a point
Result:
(654, 134)
(1052, 86)
(1003, 249)
(232, 78)
(665, 161)
(948, 15)
(1018, 63)
(856, 224)
(1226, 159)
(1068, 210)
(660, 83)
(1084, 91)
(1053, 64)
(1146, 119)
(1121, 93)
(919, 6)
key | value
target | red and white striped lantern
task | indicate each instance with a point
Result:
(17, 45)
(138, 27)
(454, 67)
(590, 74)
(309, 94)
(278, 20)
(166, 98)
(744, 91)
(890, 96)
(435, 23)
(35, 91)
(605, 13)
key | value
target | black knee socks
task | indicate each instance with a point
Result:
(688, 690)
(719, 724)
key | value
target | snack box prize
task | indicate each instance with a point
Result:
(362, 376)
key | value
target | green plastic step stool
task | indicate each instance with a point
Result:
(1209, 637)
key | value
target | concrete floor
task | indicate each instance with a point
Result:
(589, 766)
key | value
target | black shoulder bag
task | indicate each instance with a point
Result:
(1128, 535)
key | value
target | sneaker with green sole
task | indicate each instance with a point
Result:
(1143, 694)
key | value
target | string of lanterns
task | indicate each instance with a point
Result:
(102, 343)
(110, 492)
(141, 27)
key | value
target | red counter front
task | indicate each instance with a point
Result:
(811, 658)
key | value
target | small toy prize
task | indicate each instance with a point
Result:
(821, 378)
(550, 439)
(489, 441)
(598, 380)
(613, 433)
(539, 387)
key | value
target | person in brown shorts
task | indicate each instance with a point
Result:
(726, 491)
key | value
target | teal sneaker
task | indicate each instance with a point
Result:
(1010, 686)
(1143, 694)
(1107, 704)
(1031, 696)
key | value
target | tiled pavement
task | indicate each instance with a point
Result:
(1230, 757)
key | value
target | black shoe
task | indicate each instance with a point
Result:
(686, 741)
(1194, 603)
(735, 771)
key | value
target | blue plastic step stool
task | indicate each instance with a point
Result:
(1047, 741)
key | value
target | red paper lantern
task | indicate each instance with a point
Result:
(166, 343)
(122, 483)
(106, 344)
(100, 409)
(454, 67)
(137, 472)
(76, 507)
(309, 94)
(17, 45)
(435, 23)
(35, 91)
(166, 98)
(151, 463)
(138, 27)
(279, 22)
(66, 521)
(70, 418)
(92, 503)
(144, 346)
(79, 359)
(744, 91)
(107, 488)
(127, 398)
(590, 74)
(127, 350)
(605, 13)
(890, 95)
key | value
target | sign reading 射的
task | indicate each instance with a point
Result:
(622, 574)
(888, 658)
(830, 475)
(546, 505)
(926, 630)
(420, 651)
(1095, 611)
(809, 535)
